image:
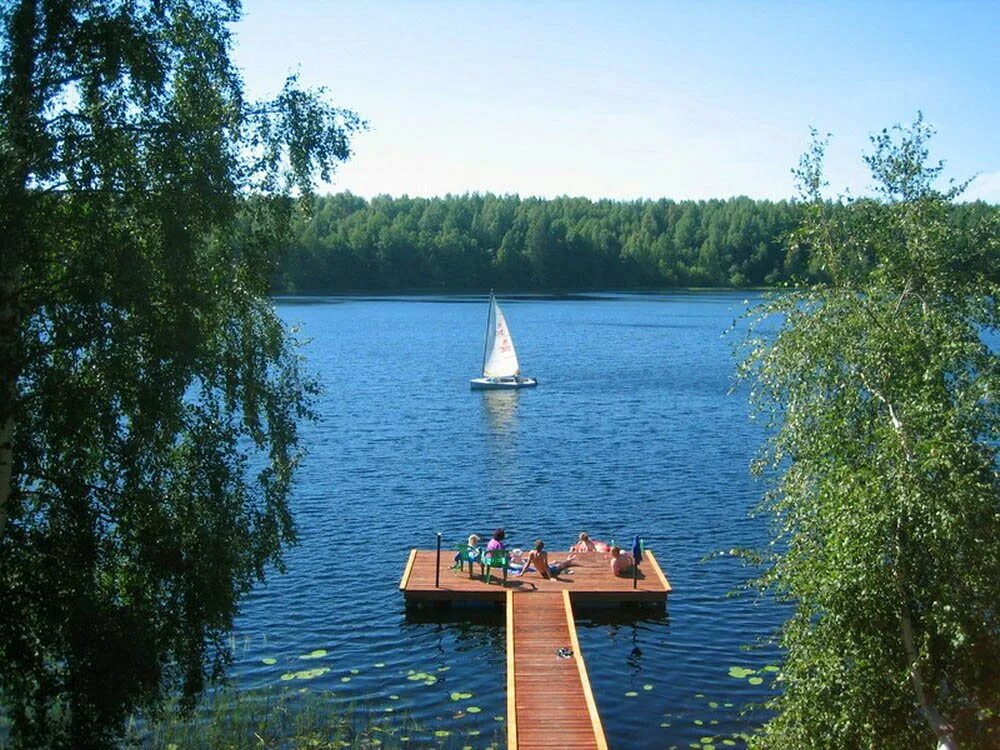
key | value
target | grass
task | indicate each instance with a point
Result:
(280, 718)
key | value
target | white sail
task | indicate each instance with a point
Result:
(500, 359)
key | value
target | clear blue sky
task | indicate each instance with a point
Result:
(633, 99)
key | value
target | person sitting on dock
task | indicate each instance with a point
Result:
(474, 552)
(497, 541)
(621, 562)
(585, 544)
(539, 558)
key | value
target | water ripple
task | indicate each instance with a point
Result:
(631, 431)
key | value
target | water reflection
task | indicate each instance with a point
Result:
(621, 615)
(500, 408)
(469, 628)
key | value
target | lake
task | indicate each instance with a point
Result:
(632, 430)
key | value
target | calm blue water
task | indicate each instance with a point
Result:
(630, 431)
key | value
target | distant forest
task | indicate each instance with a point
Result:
(474, 242)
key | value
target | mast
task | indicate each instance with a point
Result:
(486, 337)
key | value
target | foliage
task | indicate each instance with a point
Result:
(881, 391)
(149, 395)
(231, 719)
(478, 241)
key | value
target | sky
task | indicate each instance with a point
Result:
(633, 100)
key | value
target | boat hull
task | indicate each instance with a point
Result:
(501, 384)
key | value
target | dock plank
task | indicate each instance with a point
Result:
(553, 706)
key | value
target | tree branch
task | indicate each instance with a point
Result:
(942, 730)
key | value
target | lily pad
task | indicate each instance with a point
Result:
(345, 679)
(740, 672)
(288, 676)
(308, 674)
(631, 694)
(770, 668)
(699, 722)
(647, 687)
(268, 660)
(394, 697)
(473, 709)
(379, 665)
(443, 669)
(355, 671)
(728, 742)
(442, 733)
(430, 679)
(456, 696)
(317, 654)
(755, 680)
(497, 718)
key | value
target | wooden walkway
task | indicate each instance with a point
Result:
(549, 700)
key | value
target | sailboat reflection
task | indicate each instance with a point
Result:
(501, 411)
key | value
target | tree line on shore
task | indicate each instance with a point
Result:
(477, 241)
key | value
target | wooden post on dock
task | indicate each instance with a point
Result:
(437, 566)
(636, 553)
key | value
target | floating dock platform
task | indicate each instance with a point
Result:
(550, 704)
(591, 581)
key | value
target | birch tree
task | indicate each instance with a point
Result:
(149, 395)
(880, 388)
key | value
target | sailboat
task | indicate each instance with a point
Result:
(501, 369)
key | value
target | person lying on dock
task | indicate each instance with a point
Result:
(539, 559)
(585, 544)
(621, 562)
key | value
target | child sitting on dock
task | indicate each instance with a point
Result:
(621, 562)
(585, 544)
(539, 558)
(473, 552)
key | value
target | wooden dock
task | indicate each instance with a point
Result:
(591, 581)
(549, 700)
